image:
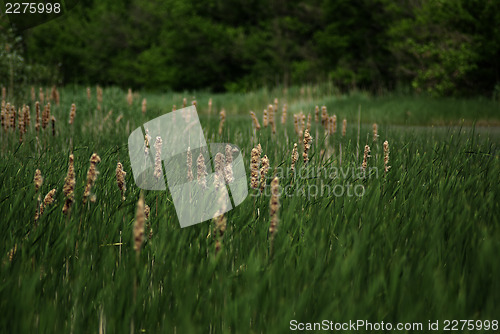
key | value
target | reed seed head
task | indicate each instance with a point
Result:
(219, 171)
(307, 146)
(386, 156)
(375, 132)
(201, 171)
(91, 176)
(72, 113)
(366, 155)
(222, 120)
(38, 180)
(344, 127)
(144, 106)
(189, 165)
(158, 169)
(284, 114)
(140, 218)
(69, 186)
(295, 156)
(254, 168)
(274, 206)
(263, 172)
(130, 97)
(255, 120)
(120, 179)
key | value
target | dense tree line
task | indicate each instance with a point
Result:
(443, 47)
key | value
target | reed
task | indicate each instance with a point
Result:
(69, 186)
(140, 218)
(366, 155)
(222, 120)
(189, 164)
(307, 146)
(219, 171)
(72, 113)
(201, 175)
(386, 156)
(144, 106)
(130, 97)
(255, 121)
(254, 168)
(158, 173)
(91, 176)
(263, 172)
(274, 206)
(375, 132)
(344, 127)
(120, 179)
(284, 114)
(295, 157)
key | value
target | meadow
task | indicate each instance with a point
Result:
(411, 243)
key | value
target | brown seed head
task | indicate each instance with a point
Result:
(255, 120)
(140, 218)
(263, 172)
(307, 146)
(38, 180)
(69, 186)
(120, 179)
(91, 176)
(72, 113)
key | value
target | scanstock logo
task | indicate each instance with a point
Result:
(171, 151)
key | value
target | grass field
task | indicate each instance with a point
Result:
(420, 243)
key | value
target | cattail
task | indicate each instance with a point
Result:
(54, 95)
(41, 96)
(72, 113)
(91, 176)
(184, 103)
(38, 180)
(275, 104)
(228, 167)
(283, 115)
(295, 156)
(365, 157)
(189, 164)
(375, 132)
(37, 119)
(144, 106)
(263, 172)
(222, 120)
(147, 140)
(48, 200)
(254, 168)
(12, 117)
(130, 97)
(140, 218)
(27, 117)
(89, 94)
(308, 122)
(147, 211)
(259, 149)
(21, 125)
(4, 93)
(265, 120)
(316, 114)
(272, 119)
(386, 156)
(334, 123)
(307, 146)
(330, 125)
(202, 171)
(324, 117)
(99, 94)
(69, 186)
(46, 116)
(296, 123)
(120, 179)
(302, 118)
(158, 170)
(274, 206)
(220, 221)
(53, 121)
(209, 106)
(255, 120)
(219, 170)
(344, 127)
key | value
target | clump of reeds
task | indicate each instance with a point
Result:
(284, 113)
(189, 165)
(201, 171)
(69, 186)
(254, 168)
(144, 106)
(366, 155)
(130, 97)
(295, 156)
(140, 218)
(72, 113)
(307, 146)
(158, 169)
(53, 121)
(274, 206)
(222, 120)
(344, 127)
(219, 171)
(375, 132)
(255, 120)
(263, 172)
(120, 179)
(91, 176)
(386, 156)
